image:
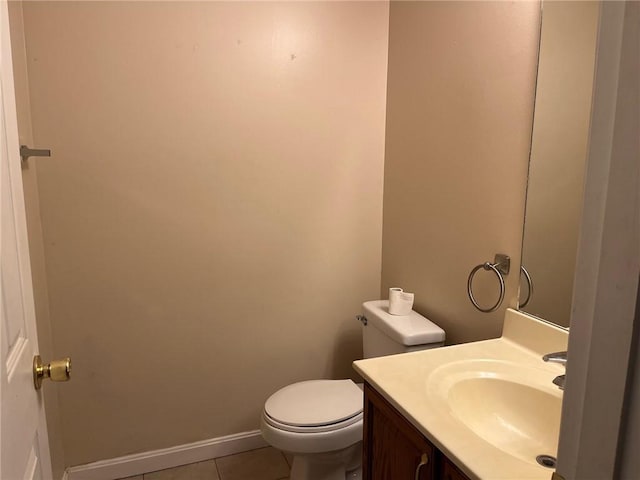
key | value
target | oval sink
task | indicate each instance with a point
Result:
(516, 418)
(507, 406)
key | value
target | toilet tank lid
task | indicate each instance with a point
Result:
(409, 330)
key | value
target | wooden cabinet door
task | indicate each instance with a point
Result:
(393, 448)
(450, 471)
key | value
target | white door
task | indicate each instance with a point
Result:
(24, 444)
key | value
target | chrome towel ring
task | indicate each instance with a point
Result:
(500, 267)
(530, 283)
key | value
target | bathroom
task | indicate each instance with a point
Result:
(212, 216)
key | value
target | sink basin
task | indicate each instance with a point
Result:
(514, 409)
(516, 418)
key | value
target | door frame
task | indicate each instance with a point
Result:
(608, 262)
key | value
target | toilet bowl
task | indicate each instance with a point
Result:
(320, 422)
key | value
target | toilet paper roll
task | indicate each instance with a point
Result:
(400, 302)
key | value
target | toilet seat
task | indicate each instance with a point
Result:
(313, 441)
(313, 429)
(314, 416)
(315, 405)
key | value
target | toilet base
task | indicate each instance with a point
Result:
(337, 465)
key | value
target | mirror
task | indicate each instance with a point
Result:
(558, 155)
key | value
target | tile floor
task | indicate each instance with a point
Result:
(261, 464)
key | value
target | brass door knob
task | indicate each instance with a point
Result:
(57, 371)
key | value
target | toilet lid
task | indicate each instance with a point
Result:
(315, 402)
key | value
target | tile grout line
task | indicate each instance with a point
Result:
(215, 462)
(145, 475)
(285, 459)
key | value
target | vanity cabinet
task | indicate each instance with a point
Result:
(395, 450)
(450, 471)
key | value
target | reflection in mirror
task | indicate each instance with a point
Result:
(558, 154)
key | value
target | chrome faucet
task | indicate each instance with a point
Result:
(557, 357)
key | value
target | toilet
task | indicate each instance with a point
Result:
(320, 422)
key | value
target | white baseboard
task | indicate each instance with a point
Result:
(139, 463)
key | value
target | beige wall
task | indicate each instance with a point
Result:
(459, 113)
(558, 154)
(211, 214)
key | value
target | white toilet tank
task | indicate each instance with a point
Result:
(386, 334)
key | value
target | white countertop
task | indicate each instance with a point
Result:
(418, 385)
